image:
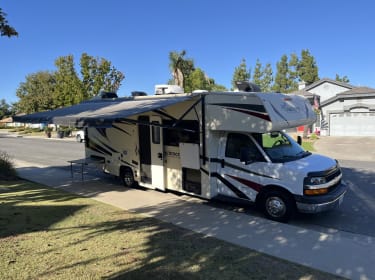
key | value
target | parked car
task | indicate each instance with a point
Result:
(80, 136)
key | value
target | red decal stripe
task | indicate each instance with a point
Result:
(251, 113)
(255, 186)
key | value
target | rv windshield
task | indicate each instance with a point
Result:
(280, 147)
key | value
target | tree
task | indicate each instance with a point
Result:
(263, 76)
(281, 80)
(241, 73)
(5, 28)
(98, 74)
(36, 93)
(68, 89)
(217, 87)
(293, 72)
(49, 90)
(180, 67)
(196, 80)
(307, 68)
(344, 79)
(5, 109)
(258, 73)
(287, 74)
(267, 78)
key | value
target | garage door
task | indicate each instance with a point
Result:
(352, 124)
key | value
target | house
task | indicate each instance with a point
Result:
(8, 122)
(345, 110)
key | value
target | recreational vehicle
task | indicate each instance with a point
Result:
(212, 145)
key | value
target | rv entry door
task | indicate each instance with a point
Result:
(157, 154)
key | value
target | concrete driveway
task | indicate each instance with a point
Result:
(347, 148)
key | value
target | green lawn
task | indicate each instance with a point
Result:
(48, 234)
(308, 146)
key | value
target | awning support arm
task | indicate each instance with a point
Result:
(187, 112)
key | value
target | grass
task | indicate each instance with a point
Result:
(48, 234)
(308, 145)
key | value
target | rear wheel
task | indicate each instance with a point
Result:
(127, 177)
(278, 206)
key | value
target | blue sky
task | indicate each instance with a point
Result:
(137, 36)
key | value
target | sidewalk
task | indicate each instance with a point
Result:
(340, 253)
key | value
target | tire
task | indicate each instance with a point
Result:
(127, 177)
(278, 206)
(79, 139)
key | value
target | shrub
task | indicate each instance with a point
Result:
(7, 170)
(313, 136)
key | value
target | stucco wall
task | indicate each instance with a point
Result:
(327, 90)
(348, 103)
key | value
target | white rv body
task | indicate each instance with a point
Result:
(194, 147)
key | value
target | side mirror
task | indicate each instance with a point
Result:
(299, 140)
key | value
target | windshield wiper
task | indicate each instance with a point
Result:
(304, 154)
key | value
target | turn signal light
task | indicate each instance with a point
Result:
(315, 191)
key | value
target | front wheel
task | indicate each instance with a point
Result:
(278, 206)
(127, 177)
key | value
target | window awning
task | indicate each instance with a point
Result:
(100, 112)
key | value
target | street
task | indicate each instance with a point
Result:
(356, 215)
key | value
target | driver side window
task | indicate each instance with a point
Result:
(236, 142)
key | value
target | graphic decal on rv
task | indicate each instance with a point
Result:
(97, 148)
(225, 163)
(102, 131)
(232, 187)
(255, 186)
(253, 110)
(108, 147)
(120, 129)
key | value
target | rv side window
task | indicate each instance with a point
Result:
(236, 142)
(156, 134)
(173, 136)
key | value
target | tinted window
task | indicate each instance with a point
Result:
(237, 142)
(185, 132)
(156, 134)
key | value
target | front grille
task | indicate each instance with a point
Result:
(329, 174)
(333, 174)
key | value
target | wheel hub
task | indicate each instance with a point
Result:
(275, 206)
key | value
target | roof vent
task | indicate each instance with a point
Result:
(247, 86)
(106, 95)
(138, 93)
(168, 89)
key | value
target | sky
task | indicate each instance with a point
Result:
(137, 36)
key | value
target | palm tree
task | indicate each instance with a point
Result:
(175, 64)
(180, 67)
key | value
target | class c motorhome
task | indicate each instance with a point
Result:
(212, 145)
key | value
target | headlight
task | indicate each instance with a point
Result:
(315, 186)
(316, 181)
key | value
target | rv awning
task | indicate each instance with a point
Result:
(100, 112)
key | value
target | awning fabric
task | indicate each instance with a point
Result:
(100, 112)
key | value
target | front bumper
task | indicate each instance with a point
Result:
(316, 204)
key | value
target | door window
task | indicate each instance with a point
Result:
(155, 134)
(237, 142)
